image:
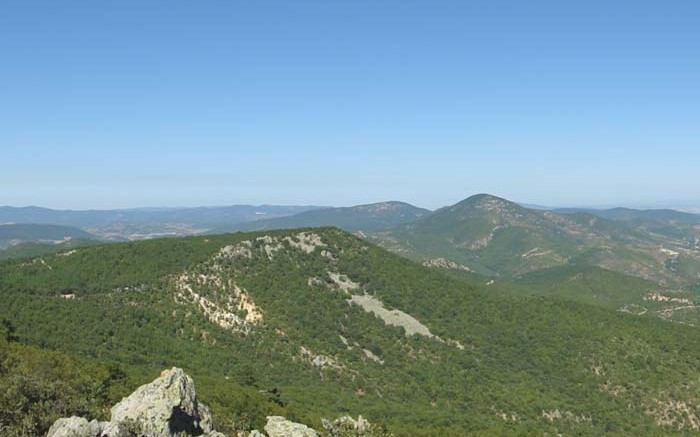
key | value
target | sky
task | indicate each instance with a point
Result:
(184, 103)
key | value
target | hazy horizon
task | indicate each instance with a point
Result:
(687, 206)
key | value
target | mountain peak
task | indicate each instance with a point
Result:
(483, 197)
(486, 202)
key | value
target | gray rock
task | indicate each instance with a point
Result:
(167, 407)
(278, 426)
(75, 427)
(347, 426)
(256, 433)
(128, 428)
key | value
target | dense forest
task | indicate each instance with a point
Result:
(269, 323)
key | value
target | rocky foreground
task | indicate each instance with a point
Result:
(168, 407)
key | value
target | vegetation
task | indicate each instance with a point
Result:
(610, 258)
(28, 250)
(39, 386)
(16, 233)
(499, 364)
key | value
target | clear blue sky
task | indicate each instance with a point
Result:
(136, 103)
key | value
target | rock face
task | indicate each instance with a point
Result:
(167, 407)
(278, 426)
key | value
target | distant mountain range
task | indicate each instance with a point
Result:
(365, 218)
(14, 234)
(667, 222)
(615, 258)
(140, 223)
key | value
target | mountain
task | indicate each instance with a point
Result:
(14, 234)
(362, 218)
(492, 236)
(140, 223)
(318, 323)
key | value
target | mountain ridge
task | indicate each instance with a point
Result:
(140, 223)
(366, 218)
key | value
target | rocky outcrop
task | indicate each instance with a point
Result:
(76, 427)
(278, 426)
(347, 426)
(167, 407)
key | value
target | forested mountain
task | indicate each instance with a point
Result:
(495, 237)
(316, 323)
(363, 218)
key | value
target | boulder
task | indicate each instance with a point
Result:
(75, 427)
(278, 426)
(166, 407)
(347, 426)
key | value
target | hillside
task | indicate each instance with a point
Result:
(13, 234)
(495, 237)
(666, 223)
(317, 322)
(363, 218)
(638, 215)
(27, 250)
